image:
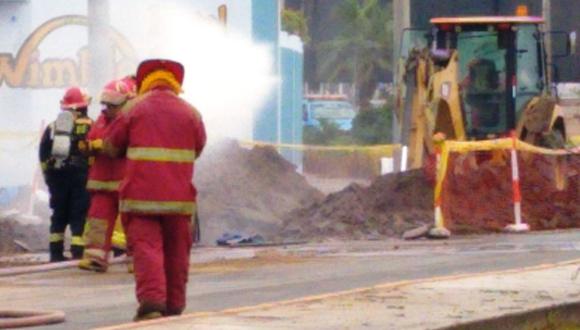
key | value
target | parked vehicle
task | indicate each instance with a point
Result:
(334, 109)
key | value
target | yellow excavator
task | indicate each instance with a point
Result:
(477, 78)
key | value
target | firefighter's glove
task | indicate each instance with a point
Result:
(83, 146)
(96, 145)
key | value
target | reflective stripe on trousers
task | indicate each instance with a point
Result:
(103, 185)
(56, 237)
(77, 240)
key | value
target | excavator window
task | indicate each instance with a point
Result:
(413, 40)
(445, 39)
(482, 65)
(529, 72)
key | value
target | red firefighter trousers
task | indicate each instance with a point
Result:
(100, 224)
(161, 247)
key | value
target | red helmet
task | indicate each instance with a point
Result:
(131, 82)
(148, 67)
(116, 92)
(74, 98)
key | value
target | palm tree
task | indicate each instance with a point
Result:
(362, 47)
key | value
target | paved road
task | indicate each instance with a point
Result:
(92, 300)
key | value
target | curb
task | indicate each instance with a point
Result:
(542, 318)
(485, 326)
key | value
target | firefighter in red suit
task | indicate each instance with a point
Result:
(104, 177)
(161, 135)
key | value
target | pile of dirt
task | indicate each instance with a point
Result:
(247, 191)
(479, 199)
(256, 191)
(244, 191)
(391, 205)
(20, 233)
(361, 164)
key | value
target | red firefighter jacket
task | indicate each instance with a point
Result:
(161, 135)
(106, 172)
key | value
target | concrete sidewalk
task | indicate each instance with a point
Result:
(437, 303)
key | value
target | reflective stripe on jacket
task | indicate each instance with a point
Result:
(161, 136)
(106, 173)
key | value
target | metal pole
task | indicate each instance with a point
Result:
(401, 20)
(519, 225)
(101, 54)
(547, 14)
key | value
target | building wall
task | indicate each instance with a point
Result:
(29, 91)
(265, 27)
(292, 63)
(280, 119)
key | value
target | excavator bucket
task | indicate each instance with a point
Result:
(571, 113)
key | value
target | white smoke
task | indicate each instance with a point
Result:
(227, 75)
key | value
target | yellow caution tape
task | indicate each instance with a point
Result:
(384, 149)
(500, 144)
(441, 170)
(523, 146)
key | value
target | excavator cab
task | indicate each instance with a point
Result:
(499, 69)
(483, 84)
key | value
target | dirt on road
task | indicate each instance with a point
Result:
(392, 204)
(256, 191)
(477, 198)
(247, 191)
(481, 199)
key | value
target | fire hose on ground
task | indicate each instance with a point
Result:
(29, 318)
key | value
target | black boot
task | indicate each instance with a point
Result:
(149, 311)
(56, 252)
(117, 252)
(76, 251)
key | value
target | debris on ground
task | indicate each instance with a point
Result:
(257, 192)
(419, 232)
(239, 190)
(391, 205)
(228, 239)
(478, 200)
(247, 190)
(18, 234)
(475, 200)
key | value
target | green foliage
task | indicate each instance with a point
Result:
(373, 126)
(361, 48)
(327, 134)
(294, 22)
(369, 127)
